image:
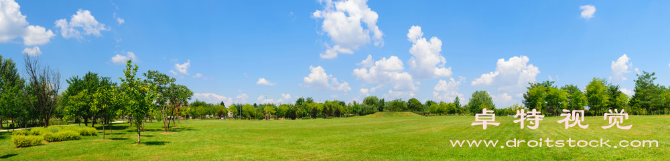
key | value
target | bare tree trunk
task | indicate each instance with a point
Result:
(163, 113)
(111, 132)
(103, 130)
(138, 136)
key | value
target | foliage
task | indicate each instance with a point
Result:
(26, 141)
(479, 101)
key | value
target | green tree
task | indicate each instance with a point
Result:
(648, 96)
(481, 100)
(597, 96)
(139, 96)
(162, 82)
(11, 85)
(576, 98)
(415, 105)
(557, 99)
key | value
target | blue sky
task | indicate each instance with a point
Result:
(239, 51)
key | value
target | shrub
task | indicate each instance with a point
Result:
(21, 132)
(26, 141)
(38, 131)
(83, 131)
(62, 136)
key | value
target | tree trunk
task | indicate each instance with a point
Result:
(86, 121)
(103, 131)
(111, 132)
(138, 136)
(163, 113)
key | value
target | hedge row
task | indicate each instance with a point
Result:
(35, 136)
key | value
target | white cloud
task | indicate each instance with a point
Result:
(448, 91)
(387, 71)
(198, 75)
(620, 67)
(262, 81)
(242, 98)
(426, 61)
(120, 20)
(173, 72)
(81, 23)
(262, 100)
(502, 100)
(13, 24)
(245, 75)
(35, 51)
(637, 71)
(213, 98)
(364, 91)
(319, 79)
(122, 59)
(399, 94)
(367, 62)
(286, 96)
(587, 11)
(183, 68)
(342, 21)
(511, 76)
(627, 92)
(551, 79)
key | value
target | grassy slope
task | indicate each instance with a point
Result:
(361, 138)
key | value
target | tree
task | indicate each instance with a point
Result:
(44, 86)
(576, 98)
(648, 96)
(178, 95)
(415, 105)
(481, 100)
(597, 96)
(534, 98)
(374, 102)
(457, 102)
(11, 85)
(139, 96)
(557, 99)
(106, 101)
(248, 111)
(161, 81)
(78, 101)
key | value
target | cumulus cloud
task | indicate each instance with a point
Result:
(448, 91)
(342, 22)
(426, 61)
(242, 98)
(511, 76)
(122, 59)
(637, 71)
(587, 11)
(13, 24)
(183, 68)
(368, 62)
(387, 71)
(213, 98)
(286, 96)
(318, 79)
(502, 100)
(81, 23)
(197, 75)
(627, 92)
(35, 51)
(262, 81)
(620, 67)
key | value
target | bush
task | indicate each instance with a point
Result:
(26, 141)
(83, 131)
(38, 131)
(21, 132)
(62, 136)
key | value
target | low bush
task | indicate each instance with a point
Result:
(21, 132)
(26, 141)
(83, 131)
(62, 136)
(38, 131)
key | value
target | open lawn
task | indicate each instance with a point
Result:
(381, 136)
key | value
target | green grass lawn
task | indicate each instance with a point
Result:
(381, 136)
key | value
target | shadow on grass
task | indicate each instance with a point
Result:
(180, 129)
(118, 138)
(7, 156)
(116, 127)
(155, 142)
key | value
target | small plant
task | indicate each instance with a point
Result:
(26, 141)
(21, 132)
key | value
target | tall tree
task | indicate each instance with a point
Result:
(415, 105)
(648, 96)
(481, 100)
(576, 98)
(44, 84)
(597, 96)
(161, 81)
(139, 96)
(557, 99)
(11, 85)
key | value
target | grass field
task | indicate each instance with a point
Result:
(381, 136)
